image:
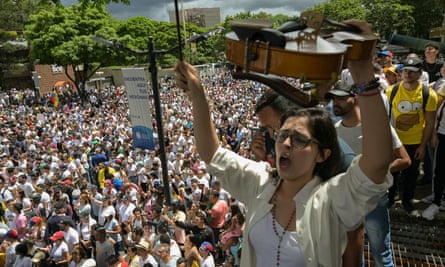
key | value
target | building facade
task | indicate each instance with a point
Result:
(203, 17)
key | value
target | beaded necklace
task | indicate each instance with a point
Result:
(274, 227)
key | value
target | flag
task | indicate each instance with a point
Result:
(54, 98)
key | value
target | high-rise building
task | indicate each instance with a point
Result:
(204, 17)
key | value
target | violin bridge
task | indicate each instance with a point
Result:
(306, 38)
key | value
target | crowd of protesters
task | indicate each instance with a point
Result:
(75, 192)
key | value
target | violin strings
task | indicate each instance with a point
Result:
(178, 29)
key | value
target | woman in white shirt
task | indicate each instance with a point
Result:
(303, 209)
(59, 252)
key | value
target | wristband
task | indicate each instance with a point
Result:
(359, 89)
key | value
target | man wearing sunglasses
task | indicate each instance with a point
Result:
(349, 128)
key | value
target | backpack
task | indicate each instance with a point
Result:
(425, 96)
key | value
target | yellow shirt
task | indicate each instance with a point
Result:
(101, 176)
(407, 115)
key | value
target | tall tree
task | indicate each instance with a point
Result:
(427, 14)
(63, 36)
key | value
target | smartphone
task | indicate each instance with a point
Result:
(270, 142)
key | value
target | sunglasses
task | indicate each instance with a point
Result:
(297, 140)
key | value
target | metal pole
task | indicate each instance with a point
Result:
(154, 84)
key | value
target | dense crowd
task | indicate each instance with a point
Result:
(73, 188)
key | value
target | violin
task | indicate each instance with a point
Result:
(311, 49)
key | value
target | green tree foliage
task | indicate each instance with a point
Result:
(340, 10)
(408, 17)
(427, 14)
(14, 14)
(390, 16)
(62, 35)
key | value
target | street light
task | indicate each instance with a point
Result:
(152, 53)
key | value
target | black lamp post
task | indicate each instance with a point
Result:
(152, 53)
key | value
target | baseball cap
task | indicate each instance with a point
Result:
(340, 89)
(11, 234)
(57, 236)
(412, 64)
(64, 222)
(385, 53)
(34, 220)
(38, 257)
(68, 182)
(207, 246)
(143, 245)
(392, 69)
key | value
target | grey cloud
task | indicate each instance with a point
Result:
(158, 9)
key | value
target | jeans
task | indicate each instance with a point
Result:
(407, 180)
(378, 230)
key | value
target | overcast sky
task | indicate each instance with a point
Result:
(158, 9)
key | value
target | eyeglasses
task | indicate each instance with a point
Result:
(297, 140)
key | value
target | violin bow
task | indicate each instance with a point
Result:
(178, 30)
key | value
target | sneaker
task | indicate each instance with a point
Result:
(430, 212)
(428, 199)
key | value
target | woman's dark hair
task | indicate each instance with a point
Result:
(133, 248)
(164, 239)
(137, 209)
(138, 231)
(323, 130)
(112, 259)
(235, 210)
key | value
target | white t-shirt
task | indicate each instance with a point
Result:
(84, 230)
(71, 238)
(126, 211)
(58, 253)
(353, 136)
(209, 262)
(291, 254)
